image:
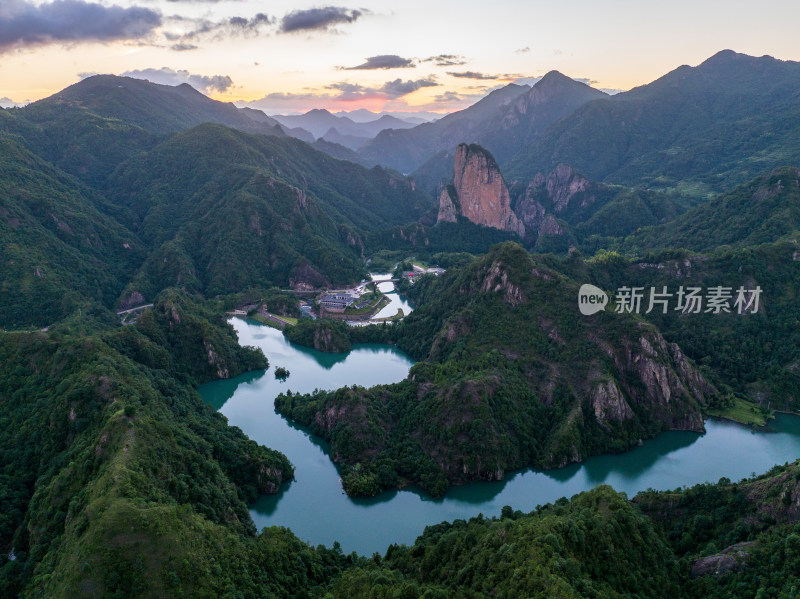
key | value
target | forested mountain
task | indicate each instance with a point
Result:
(210, 209)
(92, 126)
(714, 540)
(61, 246)
(155, 108)
(764, 210)
(229, 210)
(503, 122)
(698, 129)
(529, 115)
(754, 356)
(511, 375)
(117, 481)
(408, 149)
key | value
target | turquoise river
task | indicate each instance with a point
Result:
(315, 508)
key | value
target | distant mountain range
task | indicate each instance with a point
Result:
(696, 130)
(319, 122)
(362, 115)
(718, 124)
(117, 188)
(116, 479)
(407, 150)
(121, 162)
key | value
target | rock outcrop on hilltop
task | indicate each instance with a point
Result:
(479, 193)
(546, 198)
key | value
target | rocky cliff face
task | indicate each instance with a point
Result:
(448, 206)
(564, 184)
(479, 192)
(562, 192)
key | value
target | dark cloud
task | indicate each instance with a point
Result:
(390, 89)
(194, 29)
(398, 87)
(320, 19)
(167, 76)
(473, 75)
(446, 60)
(383, 61)
(346, 87)
(23, 23)
(524, 50)
(242, 24)
(182, 47)
(448, 97)
(485, 76)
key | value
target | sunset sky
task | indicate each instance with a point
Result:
(415, 55)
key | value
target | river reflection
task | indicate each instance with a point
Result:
(317, 510)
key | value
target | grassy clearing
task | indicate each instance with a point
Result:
(744, 412)
(375, 306)
(271, 322)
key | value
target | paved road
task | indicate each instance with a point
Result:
(121, 312)
(279, 319)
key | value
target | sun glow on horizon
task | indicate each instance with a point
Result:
(416, 57)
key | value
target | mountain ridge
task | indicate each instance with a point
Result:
(701, 129)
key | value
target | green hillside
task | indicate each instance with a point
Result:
(511, 375)
(61, 247)
(159, 109)
(566, 209)
(714, 540)
(117, 479)
(224, 211)
(697, 129)
(752, 355)
(91, 127)
(764, 210)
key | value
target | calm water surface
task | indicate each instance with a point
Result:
(316, 509)
(396, 300)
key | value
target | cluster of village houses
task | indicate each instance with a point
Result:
(339, 301)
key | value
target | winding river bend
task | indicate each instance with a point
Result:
(317, 510)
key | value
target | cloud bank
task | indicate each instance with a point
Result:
(23, 23)
(167, 76)
(473, 75)
(187, 30)
(383, 61)
(319, 19)
(342, 95)
(446, 60)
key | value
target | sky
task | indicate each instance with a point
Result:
(415, 55)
